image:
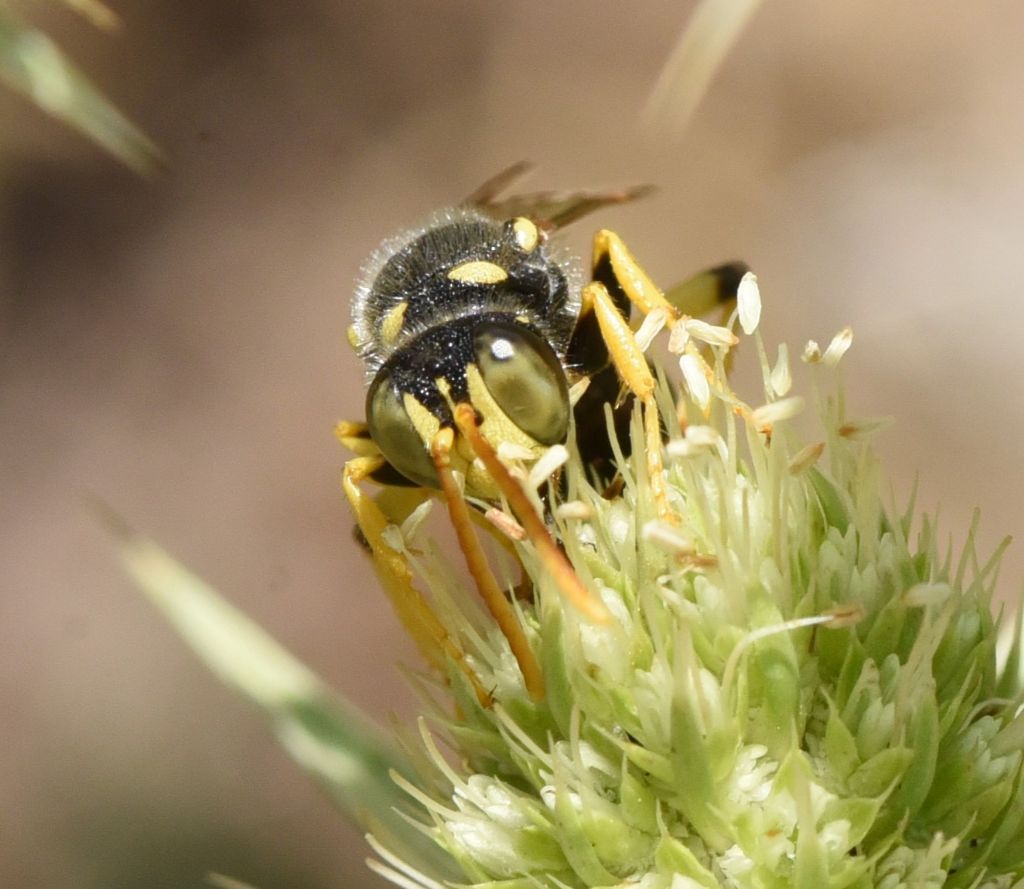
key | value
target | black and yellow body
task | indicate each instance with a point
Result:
(474, 332)
(466, 310)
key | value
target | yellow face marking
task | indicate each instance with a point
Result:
(526, 233)
(391, 326)
(495, 426)
(478, 271)
(353, 337)
(478, 482)
(424, 422)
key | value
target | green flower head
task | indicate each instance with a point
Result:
(792, 686)
(796, 688)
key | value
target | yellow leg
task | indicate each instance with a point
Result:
(638, 287)
(356, 437)
(551, 556)
(711, 289)
(611, 253)
(631, 365)
(429, 634)
(500, 608)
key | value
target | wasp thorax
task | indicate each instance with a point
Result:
(506, 371)
(462, 265)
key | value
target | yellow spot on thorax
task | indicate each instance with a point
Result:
(391, 326)
(478, 271)
(353, 337)
(527, 234)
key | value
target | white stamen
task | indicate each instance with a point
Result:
(650, 328)
(776, 411)
(574, 509)
(397, 864)
(857, 430)
(680, 449)
(748, 303)
(682, 414)
(693, 368)
(396, 877)
(921, 594)
(780, 379)
(835, 617)
(577, 390)
(550, 462)
(837, 348)
(703, 436)
(412, 523)
(805, 458)
(510, 451)
(845, 615)
(392, 536)
(678, 337)
(812, 353)
(711, 334)
(505, 523)
(698, 440)
(667, 537)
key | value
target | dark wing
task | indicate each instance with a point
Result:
(549, 209)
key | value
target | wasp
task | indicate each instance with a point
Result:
(477, 334)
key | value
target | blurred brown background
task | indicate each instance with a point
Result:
(178, 345)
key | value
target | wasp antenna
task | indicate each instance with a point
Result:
(637, 192)
(486, 584)
(575, 206)
(552, 557)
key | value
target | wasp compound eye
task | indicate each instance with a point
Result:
(525, 378)
(403, 445)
